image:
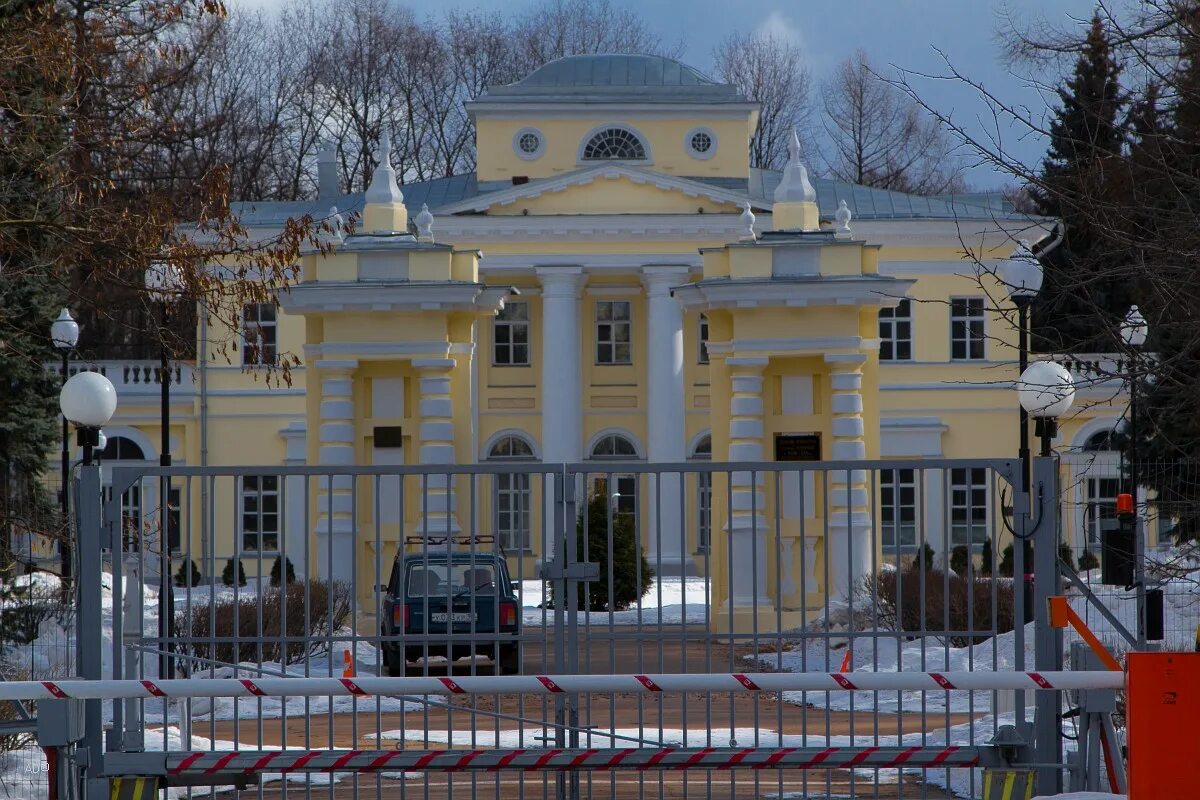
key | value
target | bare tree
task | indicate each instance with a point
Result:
(769, 70)
(877, 136)
(557, 28)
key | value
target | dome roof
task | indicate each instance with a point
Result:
(612, 78)
(615, 70)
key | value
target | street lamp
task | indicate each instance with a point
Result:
(1134, 331)
(1046, 392)
(1021, 275)
(64, 332)
(164, 282)
(88, 400)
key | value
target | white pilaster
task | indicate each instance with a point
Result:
(667, 540)
(747, 525)
(335, 531)
(849, 545)
(562, 376)
(295, 437)
(436, 435)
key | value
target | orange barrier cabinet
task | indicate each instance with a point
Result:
(1162, 704)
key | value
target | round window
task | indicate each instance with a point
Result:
(528, 143)
(701, 143)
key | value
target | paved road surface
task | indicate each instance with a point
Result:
(654, 649)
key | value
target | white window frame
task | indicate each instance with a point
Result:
(703, 498)
(260, 493)
(529, 155)
(594, 132)
(894, 532)
(701, 155)
(1098, 506)
(702, 340)
(890, 340)
(512, 326)
(256, 350)
(974, 490)
(518, 489)
(965, 336)
(614, 324)
(626, 483)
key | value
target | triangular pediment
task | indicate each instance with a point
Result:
(604, 189)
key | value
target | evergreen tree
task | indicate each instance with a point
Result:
(1083, 162)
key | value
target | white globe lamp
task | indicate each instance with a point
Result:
(1046, 391)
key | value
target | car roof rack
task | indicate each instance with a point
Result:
(462, 539)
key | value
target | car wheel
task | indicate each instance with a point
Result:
(510, 659)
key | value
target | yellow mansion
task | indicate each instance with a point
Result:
(615, 282)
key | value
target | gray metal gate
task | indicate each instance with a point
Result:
(774, 566)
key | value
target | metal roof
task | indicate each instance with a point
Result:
(865, 202)
(610, 78)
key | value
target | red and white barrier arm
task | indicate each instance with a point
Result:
(222, 765)
(556, 684)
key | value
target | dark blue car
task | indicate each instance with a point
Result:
(469, 595)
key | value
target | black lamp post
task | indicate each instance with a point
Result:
(1021, 275)
(165, 283)
(64, 332)
(1134, 331)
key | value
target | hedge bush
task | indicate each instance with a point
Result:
(1006, 562)
(1088, 561)
(233, 573)
(967, 606)
(232, 628)
(985, 558)
(1065, 554)
(960, 559)
(282, 569)
(183, 578)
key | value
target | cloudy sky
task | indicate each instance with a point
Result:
(904, 34)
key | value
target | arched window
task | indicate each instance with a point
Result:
(614, 144)
(615, 447)
(513, 496)
(703, 452)
(1102, 483)
(120, 448)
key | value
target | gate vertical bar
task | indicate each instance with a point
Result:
(560, 591)
(88, 637)
(1048, 655)
(572, 583)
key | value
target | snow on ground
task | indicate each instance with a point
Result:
(1082, 796)
(670, 601)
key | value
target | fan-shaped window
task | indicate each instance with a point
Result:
(614, 446)
(119, 448)
(1103, 440)
(512, 497)
(614, 144)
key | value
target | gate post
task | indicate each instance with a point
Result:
(1048, 644)
(89, 625)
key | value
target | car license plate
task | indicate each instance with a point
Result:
(441, 617)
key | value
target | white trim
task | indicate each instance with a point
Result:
(608, 126)
(504, 433)
(697, 154)
(861, 291)
(500, 108)
(1091, 428)
(137, 437)
(382, 296)
(695, 442)
(623, 433)
(522, 154)
(589, 262)
(588, 173)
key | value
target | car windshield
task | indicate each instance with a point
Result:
(439, 580)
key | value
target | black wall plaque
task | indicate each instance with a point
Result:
(797, 447)
(388, 436)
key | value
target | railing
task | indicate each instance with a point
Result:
(133, 376)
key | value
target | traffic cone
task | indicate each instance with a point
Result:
(347, 664)
(846, 665)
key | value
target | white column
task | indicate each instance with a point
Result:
(335, 531)
(436, 435)
(295, 436)
(850, 542)
(562, 377)
(747, 526)
(667, 540)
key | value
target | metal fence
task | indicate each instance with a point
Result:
(593, 568)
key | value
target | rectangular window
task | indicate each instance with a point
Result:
(623, 500)
(260, 513)
(898, 507)
(704, 511)
(510, 336)
(512, 511)
(702, 356)
(968, 505)
(895, 332)
(1101, 505)
(966, 328)
(258, 327)
(614, 324)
